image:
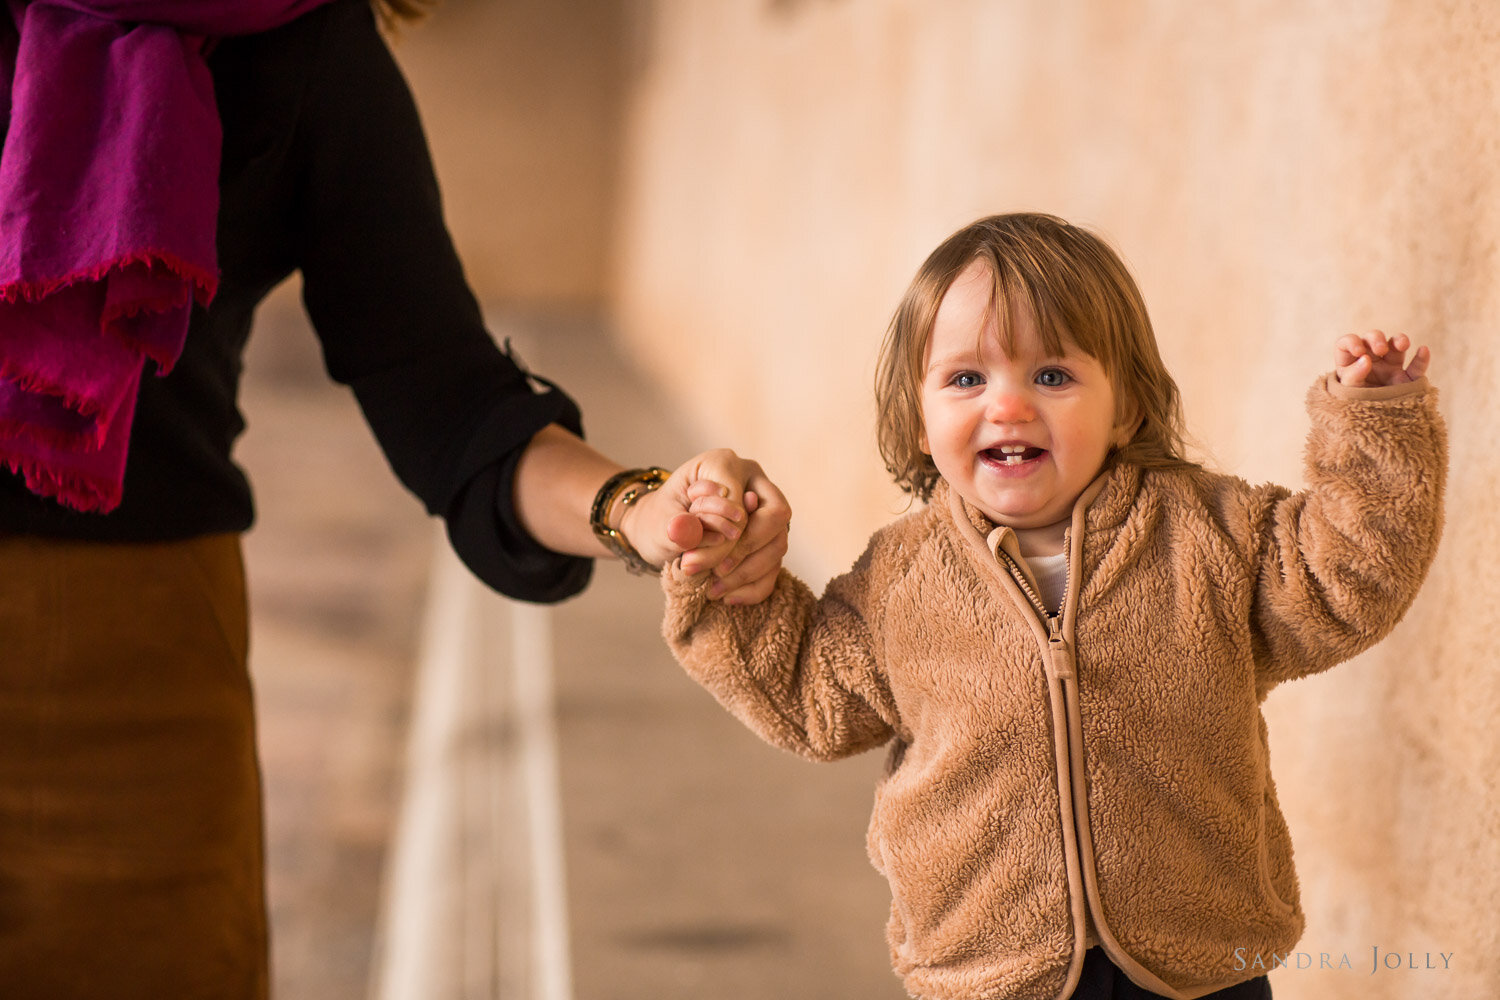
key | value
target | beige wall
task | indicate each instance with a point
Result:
(521, 100)
(1277, 173)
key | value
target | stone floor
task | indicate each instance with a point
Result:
(337, 565)
(699, 863)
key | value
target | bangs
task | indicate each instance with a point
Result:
(1014, 298)
(1060, 330)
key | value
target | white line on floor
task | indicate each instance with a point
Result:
(413, 917)
(452, 720)
(531, 643)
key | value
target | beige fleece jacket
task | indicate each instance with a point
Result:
(1110, 763)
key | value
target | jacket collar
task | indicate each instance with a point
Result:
(1104, 504)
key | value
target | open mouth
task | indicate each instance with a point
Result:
(1013, 454)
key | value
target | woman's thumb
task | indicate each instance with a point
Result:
(685, 531)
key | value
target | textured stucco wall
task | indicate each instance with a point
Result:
(1276, 173)
(521, 100)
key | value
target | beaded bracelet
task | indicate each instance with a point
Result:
(626, 487)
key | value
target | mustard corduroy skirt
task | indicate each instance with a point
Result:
(131, 844)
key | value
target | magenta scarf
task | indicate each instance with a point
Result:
(109, 202)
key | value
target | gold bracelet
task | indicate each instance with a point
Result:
(627, 487)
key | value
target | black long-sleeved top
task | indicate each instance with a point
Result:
(326, 170)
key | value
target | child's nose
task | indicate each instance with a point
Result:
(1007, 406)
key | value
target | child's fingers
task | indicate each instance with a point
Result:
(1419, 363)
(705, 488)
(1390, 366)
(717, 506)
(722, 526)
(1348, 349)
(1396, 347)
(1374, 358)
(1356, 372)
(720, 515)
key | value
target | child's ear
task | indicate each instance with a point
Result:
(922, 442)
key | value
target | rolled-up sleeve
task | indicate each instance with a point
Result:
(398, 322)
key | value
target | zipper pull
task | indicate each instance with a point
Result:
(1059, 660)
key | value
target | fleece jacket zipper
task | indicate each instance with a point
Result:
(1056, 637)
(1072, 784)
(1057, 660)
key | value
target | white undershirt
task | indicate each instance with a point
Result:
(1051, 574)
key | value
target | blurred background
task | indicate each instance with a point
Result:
(698, 216)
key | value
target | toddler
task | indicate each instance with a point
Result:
(1067, 647)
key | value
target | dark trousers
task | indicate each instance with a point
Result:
(1102, 980)
(130, 815)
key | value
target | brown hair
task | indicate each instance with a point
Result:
(1078, 292)
(392, 12)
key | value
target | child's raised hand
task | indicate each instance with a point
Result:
(1373, 359)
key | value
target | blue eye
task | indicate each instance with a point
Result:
(1052, 378)
(966, 380)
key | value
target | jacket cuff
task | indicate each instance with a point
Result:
(687, 598)
(1375, 393)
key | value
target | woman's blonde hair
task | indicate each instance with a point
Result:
(1077, 291)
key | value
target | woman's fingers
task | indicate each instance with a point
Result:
(753, 577)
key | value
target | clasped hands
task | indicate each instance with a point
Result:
(717, 512)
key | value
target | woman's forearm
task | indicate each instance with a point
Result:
(555, 484)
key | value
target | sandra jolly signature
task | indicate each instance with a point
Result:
(1391, 961)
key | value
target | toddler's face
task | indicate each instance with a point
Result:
(1020, 438)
